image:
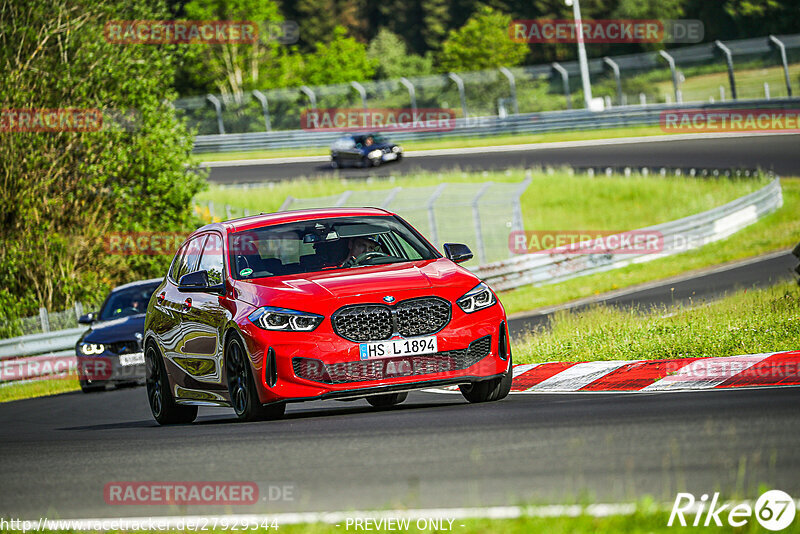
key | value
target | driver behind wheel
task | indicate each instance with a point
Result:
(358, 246)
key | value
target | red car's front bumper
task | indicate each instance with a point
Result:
(341, 373)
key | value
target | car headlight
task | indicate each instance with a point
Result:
(91, 349)
(270, 318)
(375, 154)
(477, 298)
(397, 149)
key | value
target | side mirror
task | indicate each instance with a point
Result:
(87, 318)
(457, 253)
(197, 282)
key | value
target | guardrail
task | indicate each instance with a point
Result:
(548, 121)
(695, 230)
(39, 355)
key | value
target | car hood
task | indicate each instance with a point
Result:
(124, 329)
(361, 284)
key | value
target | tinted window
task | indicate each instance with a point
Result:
(324, 244)
(188, 261)
(125, 302)
(212, 259)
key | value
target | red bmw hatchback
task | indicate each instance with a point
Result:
(318, 304)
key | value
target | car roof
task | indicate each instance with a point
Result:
(137, 283)
(281, 217)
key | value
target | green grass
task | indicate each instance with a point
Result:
(778, 230)
(558, 201)
(749, 83)
(465, 142)
(748, 322)
(37, 388)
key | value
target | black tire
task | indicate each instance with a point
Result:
(94, 387)
(366, 162)
(242, 386)
(162, 405)
(388, 399)
(335, 163)
(489, 390)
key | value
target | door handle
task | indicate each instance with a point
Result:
(187, 304)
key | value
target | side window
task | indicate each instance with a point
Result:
(212, 259)
(176, 264)
(188, 263)
(410, 252)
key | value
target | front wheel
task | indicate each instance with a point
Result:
(388, 399)
(163, 406)
(489, 390)
(242, 387)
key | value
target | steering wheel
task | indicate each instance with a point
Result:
(351, 261)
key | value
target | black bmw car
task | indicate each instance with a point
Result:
(110, 352)
(364, 150)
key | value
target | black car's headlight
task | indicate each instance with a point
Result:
(478, 298)
(377, 153)
(91, 349)
(270, 318)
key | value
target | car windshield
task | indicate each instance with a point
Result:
(324, 244)
(125, 302)
(371, 139)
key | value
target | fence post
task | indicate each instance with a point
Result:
(412, 92)
(512, 85)
(564, 81)
(390, 197)
(343, 198)
(286, 203)
(361, 91)
(462, 95)
(432, 215)
(729, 60)
(78, 310)
(517, 223)
(615, 67)
(309, 92)
(766, 90)
(782, 50)
(261, 97)
(228, 213)
(671, 61)
(44, 320)
(218, 107)
(476, 216)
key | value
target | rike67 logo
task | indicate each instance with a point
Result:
(774, 510)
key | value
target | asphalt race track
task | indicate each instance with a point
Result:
(434, 450)
(769, 152)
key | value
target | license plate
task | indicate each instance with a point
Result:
(390, 156)
(398, 347)
(131, 359)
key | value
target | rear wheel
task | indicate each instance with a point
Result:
(242, 387)
(335, 162)
(389, 399)
(489, 390)
(163, 406)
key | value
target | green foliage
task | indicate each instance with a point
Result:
(342, 60)
(63, 192)
(482, 43)
(230, 68)
(388, 51)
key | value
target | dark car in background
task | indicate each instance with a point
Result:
(110, 352)
(364, 150)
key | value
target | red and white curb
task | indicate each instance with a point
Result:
(752, 370)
